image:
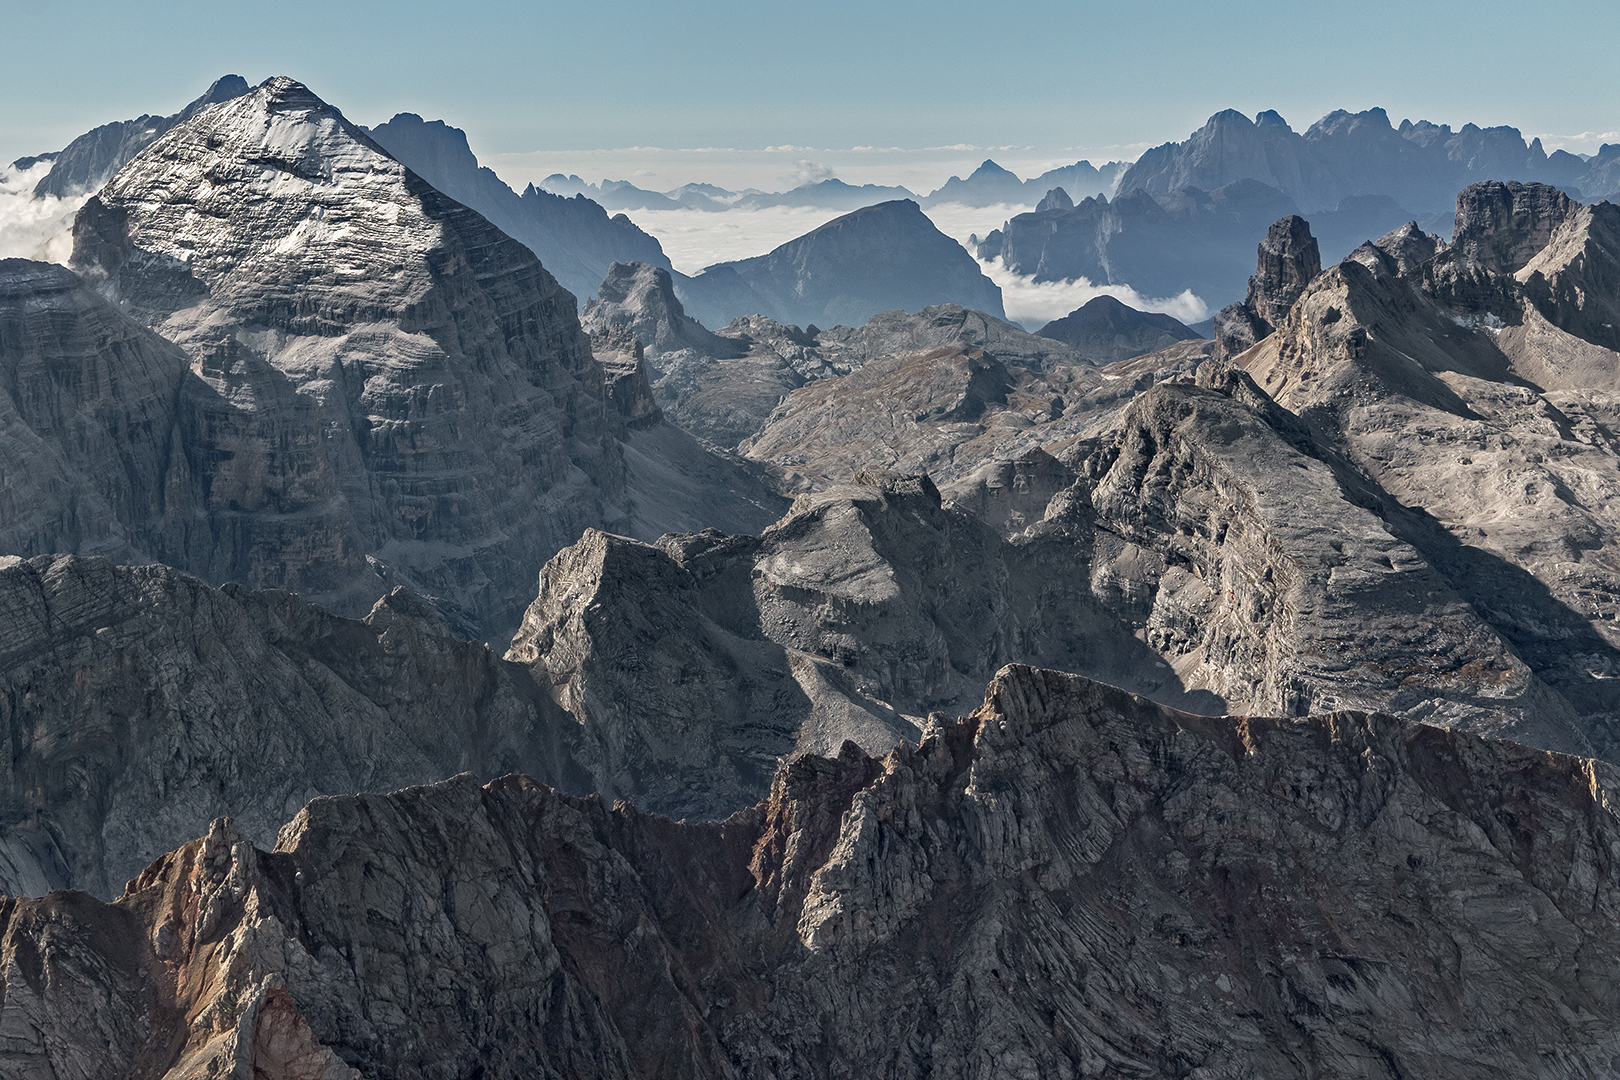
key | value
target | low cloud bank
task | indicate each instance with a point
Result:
(33, 228)
(1034, 304)
(694, 239)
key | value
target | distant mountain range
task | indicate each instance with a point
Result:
(1345, 155)
(988, 185)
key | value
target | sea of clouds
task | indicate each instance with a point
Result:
(33, 228)
(694, 239)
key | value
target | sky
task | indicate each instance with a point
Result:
(761, 93)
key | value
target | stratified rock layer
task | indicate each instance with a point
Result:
(386, 389)
(1071, 882)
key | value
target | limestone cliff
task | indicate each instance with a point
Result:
(380, 388)
(1070, 882)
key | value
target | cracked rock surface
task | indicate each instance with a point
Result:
(1071, 882)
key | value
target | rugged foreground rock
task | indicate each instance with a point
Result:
(1071, 882)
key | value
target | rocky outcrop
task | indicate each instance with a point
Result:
(1056, 199)
(138, 704)
(1501, 226)
(574, 238)
(878, 258)
(723, 386)
(1574, 281)
(387, 389)
(1400, 251)
(95, 157)
(943, 411)
(1071, 881)
(642, 298)
(1497, 434)
(1288, 260)
(1105, 330)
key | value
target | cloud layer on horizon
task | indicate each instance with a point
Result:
(31, 228)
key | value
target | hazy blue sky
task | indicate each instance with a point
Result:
(1042, 77)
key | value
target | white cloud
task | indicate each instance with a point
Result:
(1585, 142)
(808, 172)
(694, 239)
(1034, 304)
(33, 228)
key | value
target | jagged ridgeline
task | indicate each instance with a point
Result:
(968, 740)
(1071, 881)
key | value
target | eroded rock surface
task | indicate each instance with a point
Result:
(1288, 260)
(1071, 882)
(379, 387)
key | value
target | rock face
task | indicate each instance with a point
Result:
(1491, 421)
(723, 386)
(96, 156)
(1069, 882)
(1288, 261)
(1056, 199)
(1160, 245)
(574, 238)
(875, 259)
(140, 704)
(1399, 251)
(386, 389)
(91, 405)
(1500, 227)
(1345, 155)
(642, 297)
(1106, 330)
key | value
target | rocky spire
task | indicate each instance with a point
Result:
(1288, 260)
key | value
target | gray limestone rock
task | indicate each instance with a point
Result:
(1070, 882)
(574, 238)
(138, 704)
(1056, 199)
(95, 157)
(723, 386)
(1161, 244)
(1288, 260)
(392, 391)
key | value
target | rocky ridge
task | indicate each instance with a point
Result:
(1419, 165)
(95, 157)
(1160, 245)
(574, 238)
(1069, 882)
(722, 386)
